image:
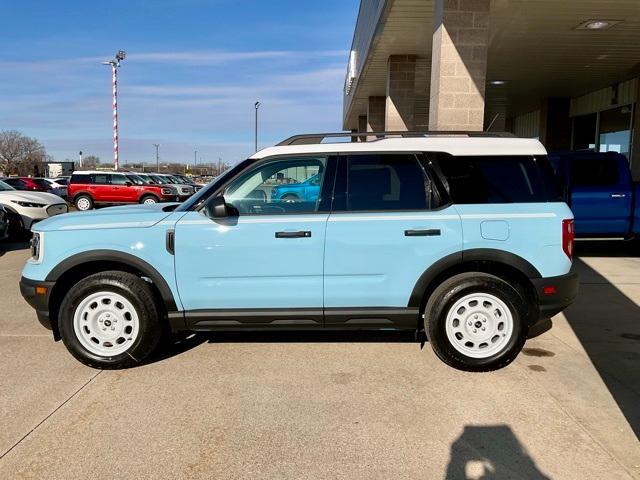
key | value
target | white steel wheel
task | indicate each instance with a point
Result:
(479, 325)
(149, 201)
(83, 204)
(106, 323)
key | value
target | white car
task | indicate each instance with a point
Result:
(58, 186)
(26, 208)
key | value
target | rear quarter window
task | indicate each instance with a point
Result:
(499, 179)
(80, 178)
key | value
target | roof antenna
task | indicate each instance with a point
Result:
(492, 122)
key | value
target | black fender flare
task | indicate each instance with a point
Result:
(472, 255)
(120, 257)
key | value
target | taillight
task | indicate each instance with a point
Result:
(568, 235)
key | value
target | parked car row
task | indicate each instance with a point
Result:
(57, 186)
(87, 189)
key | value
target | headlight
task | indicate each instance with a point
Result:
(168, 191)
(29, 204)
(36, 247)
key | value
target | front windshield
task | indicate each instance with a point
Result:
(145, 178)
(4, 187)
(135, 179)
(172, 179)
(157, 179)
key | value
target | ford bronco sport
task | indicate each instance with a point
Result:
(462, 236)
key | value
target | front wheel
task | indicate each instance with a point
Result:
(110, 320)
(476, 322)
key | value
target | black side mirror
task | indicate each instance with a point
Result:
(218, 208)
(128, 184)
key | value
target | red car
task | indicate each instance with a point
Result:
(86, 189)
(28, 183)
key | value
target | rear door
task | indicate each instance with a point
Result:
(601, 195)
(386, 228)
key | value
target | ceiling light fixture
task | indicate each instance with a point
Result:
(597, 24)
(498, 82)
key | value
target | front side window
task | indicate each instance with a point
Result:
(100, 179)
(597, 171)
(279, 186)
(118, 180)
(386, 182)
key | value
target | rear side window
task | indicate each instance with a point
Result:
(594, 171)
(385, 182)
(499, 179)
(81, 178)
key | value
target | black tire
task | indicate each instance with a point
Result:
(149, 197)
(83, 196)
(17, 232)
(443, 299)
(138, 293)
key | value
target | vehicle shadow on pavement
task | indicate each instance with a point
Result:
(607, 324)
(183, 342)
(490, 452)
(11, 246)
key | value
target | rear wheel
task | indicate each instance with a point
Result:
(83, 202)
(475, 322)
(110, 320)
(149, 199)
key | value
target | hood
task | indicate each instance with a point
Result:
(26, 196)
(129, 216)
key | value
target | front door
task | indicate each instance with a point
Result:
(601, 196)
(261, 266)
(386, 228)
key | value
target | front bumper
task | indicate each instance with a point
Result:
(555, 293)
(37, 293)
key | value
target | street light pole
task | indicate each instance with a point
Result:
(256, 106)
(115, 63)
(157, 145)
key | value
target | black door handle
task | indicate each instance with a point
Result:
(432, 232)
(300, 234)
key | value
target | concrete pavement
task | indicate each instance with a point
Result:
(331, 405)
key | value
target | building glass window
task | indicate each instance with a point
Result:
(615, 130)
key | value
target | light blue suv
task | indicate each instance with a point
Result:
(463, 237)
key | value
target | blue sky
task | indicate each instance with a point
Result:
(194, 68)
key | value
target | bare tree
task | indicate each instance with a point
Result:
(90, 162)
(19, 153)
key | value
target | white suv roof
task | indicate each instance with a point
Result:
(468, 143)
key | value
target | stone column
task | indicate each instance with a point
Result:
(401, 84)
(375, 114)
(459, 65)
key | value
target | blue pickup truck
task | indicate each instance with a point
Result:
(601, 193)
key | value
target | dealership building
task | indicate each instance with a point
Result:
(563, 71)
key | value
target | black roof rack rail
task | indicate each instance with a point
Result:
(310, 138)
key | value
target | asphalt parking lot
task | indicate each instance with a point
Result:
(356, 405)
